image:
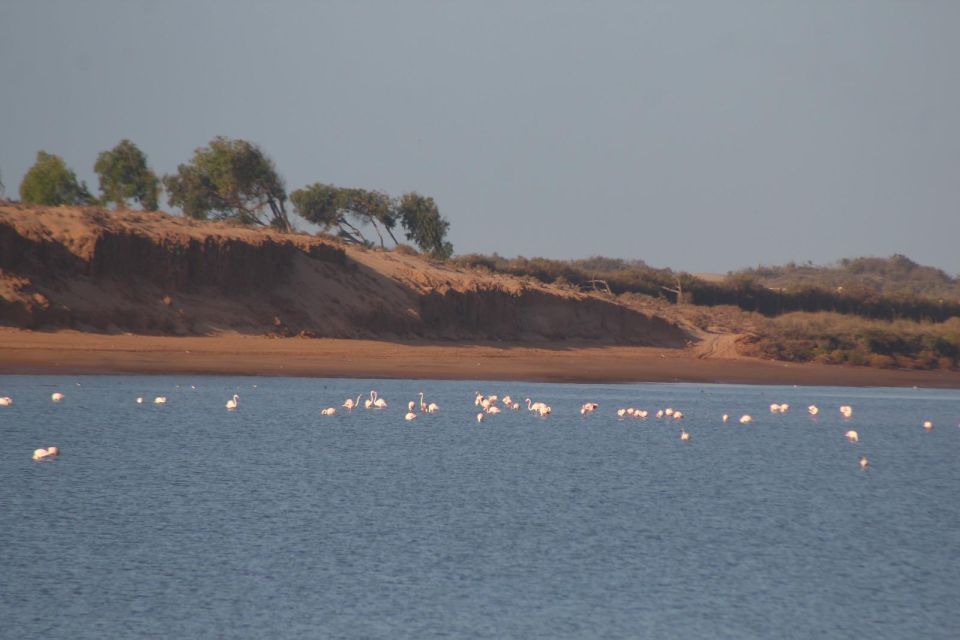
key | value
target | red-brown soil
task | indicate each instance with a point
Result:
(91, 291)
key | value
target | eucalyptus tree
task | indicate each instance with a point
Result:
(230, 179)
(350, 209)
(124, 176)
(424, 225)
(51, 182)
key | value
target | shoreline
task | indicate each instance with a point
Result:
(73, 352)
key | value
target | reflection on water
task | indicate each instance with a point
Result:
(188, 520)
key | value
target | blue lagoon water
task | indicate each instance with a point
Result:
(188, 521)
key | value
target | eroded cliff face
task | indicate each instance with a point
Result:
(531, 314)
(151, 273)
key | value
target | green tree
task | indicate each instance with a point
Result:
(229, 179)
(124, 176)
(330, 206)
(424, 225)
(371, 207)
(49, 181)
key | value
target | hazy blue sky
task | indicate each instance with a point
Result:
(703, 136)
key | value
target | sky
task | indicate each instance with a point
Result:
(698, 135)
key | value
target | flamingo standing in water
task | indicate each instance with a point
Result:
(852, 436)
(49, 452)
(432, 407)
(329, 411)
(56, 396)
(6, 401)
(350, 403)
(684, 436)
(536, 406)
(410, 416)
(233, 402)
(160, 400)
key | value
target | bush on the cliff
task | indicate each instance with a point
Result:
(124, 175)
(51, 182)
(229, 179)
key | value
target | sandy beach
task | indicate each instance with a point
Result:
(71, 352)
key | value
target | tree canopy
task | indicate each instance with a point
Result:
(424, 225)
(124, 176)
(349, 209)
(50, 182)
(234, 179)
(229, 179)
(346, 209)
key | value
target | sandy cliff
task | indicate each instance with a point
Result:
(151, 273)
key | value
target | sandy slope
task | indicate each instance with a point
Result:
(155, 274)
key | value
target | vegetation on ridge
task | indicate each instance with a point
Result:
(233, 179)
(741, 289)
(229, 179)
(836, 339)
(51, 182)
(897, 275)
(124, 175)
(329, 206)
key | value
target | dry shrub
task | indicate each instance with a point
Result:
(834, 338)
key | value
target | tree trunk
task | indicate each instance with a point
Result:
(355, 234)
(377, 229)
(279, 215)
(392, 237)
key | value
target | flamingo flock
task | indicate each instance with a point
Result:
(492, 405)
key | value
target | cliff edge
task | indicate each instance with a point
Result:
(103, 271)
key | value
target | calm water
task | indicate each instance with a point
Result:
(188, 521)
